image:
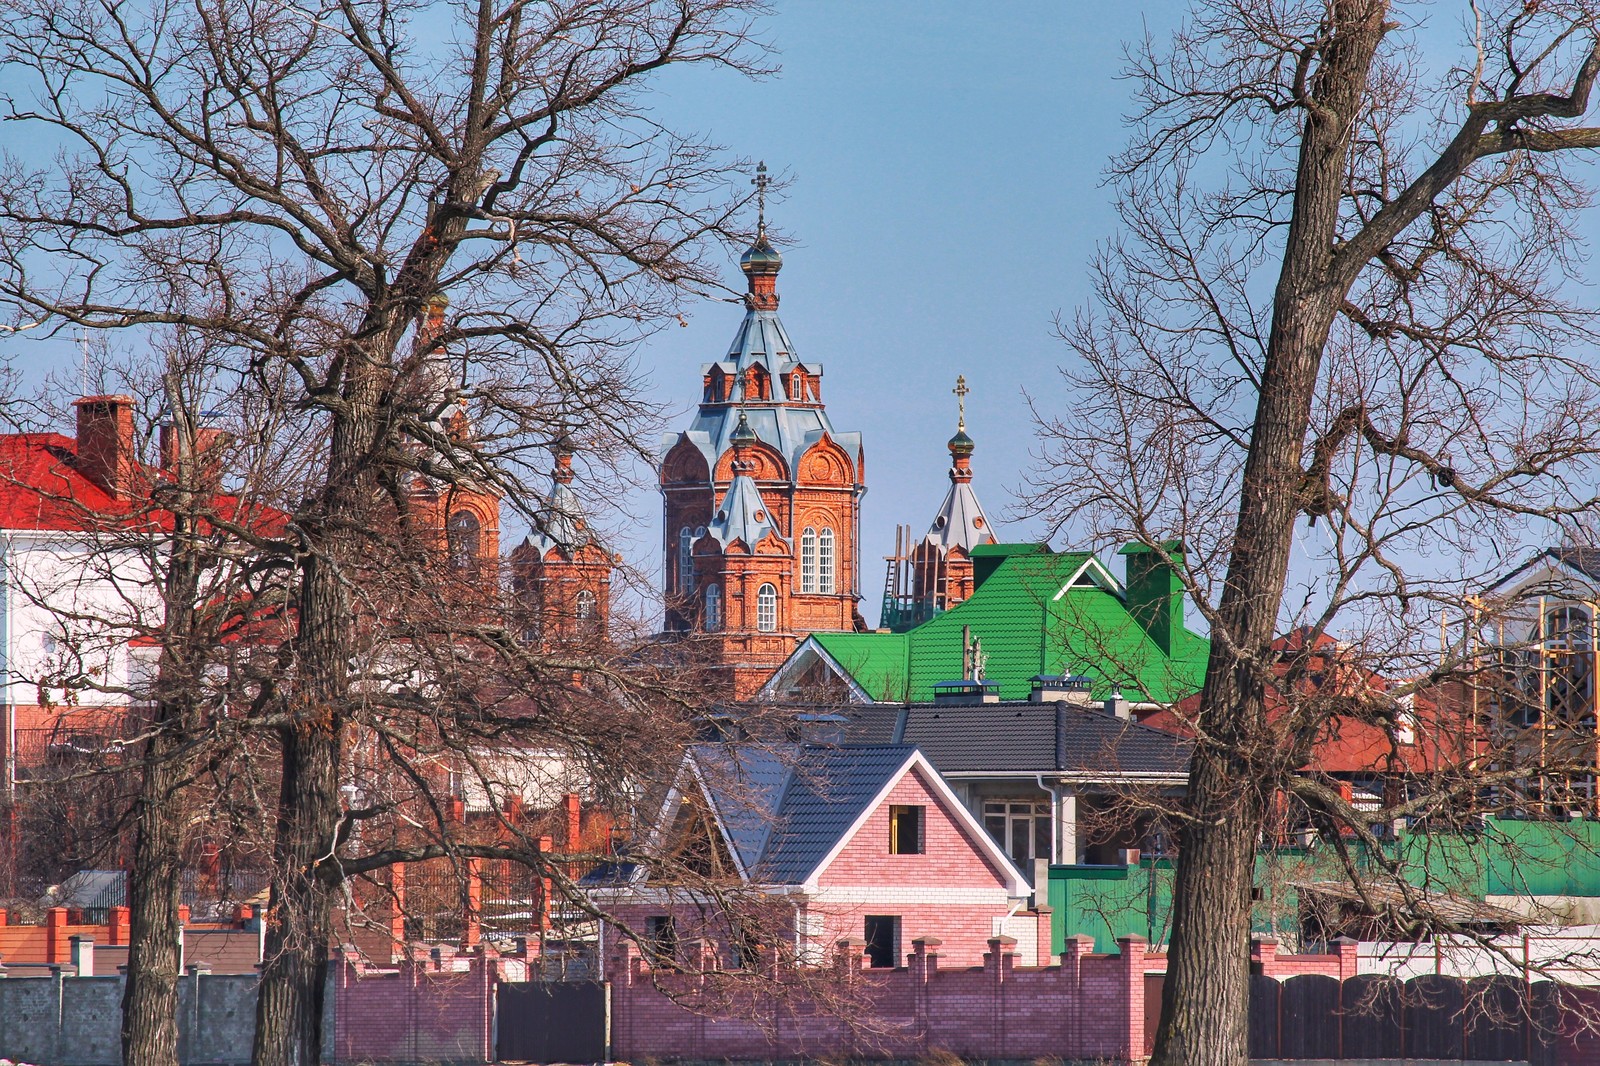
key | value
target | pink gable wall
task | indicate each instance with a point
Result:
(950, 858)
(952, 864)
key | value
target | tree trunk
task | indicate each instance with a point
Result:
(289, 1008)
(290, 1005)
(150, 997)
(1206, 1000)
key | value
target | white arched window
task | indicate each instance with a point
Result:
(767, 608)
(825, 562)
(713, 608)
(584, 605)
(808, 560)
(685, 561)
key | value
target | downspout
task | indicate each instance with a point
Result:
(9, 709)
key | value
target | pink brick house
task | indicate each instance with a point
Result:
(848, 841)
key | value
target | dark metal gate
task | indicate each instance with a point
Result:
(551, 1021)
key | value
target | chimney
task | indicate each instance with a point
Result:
(1155, 590)
(209, 444)
(1047, 688)
(965, 692)
(105, 442)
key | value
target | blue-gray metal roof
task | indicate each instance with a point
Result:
(782, 833)
(761, 340)
(742, 515)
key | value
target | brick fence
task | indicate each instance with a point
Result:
(1088, 1007)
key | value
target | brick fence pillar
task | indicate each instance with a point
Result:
(923, 962)
(1044, 937)
(117, 926)
(55, 923)
(1133, 950)
(1349, 952)
(997, 963)
(1072, 952)
(1264, 955)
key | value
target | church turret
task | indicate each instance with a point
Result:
(561, 573)
(937, 575)
(761, 417)
(459, 520)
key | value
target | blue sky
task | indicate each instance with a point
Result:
(945, 196)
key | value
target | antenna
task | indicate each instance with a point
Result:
(83, 372)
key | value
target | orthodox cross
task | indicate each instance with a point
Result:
(760, 182)
(961, 392)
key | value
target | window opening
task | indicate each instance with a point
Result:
(905, 829)
(713, 608)
(767, 608)
(1021, 829)
(462, 536)
(825, 562)
(808, 560)
(685, 560)
(882, 934)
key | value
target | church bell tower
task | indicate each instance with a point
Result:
(762, 497)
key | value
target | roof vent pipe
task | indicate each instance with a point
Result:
(1117, 707)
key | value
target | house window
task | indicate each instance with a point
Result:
(462, 535)
(685, 561)
(767, 608)
(808, 561)
(661, 940)
(905, 829)
(882, 934)
(713, 608)
(825, 562)
(584, 605)
(1022, 829)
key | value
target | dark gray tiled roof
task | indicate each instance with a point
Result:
(786, 808)
(1016, 737)
(1584, 560)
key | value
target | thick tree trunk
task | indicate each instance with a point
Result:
(150, 997)
(290, 1005)
(289, 1008)
(1206, 999)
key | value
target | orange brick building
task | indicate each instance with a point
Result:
(762, 500)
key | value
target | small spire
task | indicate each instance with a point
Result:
(760, 181)
(961, 445)
(761, 261)
(563, 449)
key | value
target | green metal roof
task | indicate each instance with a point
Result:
(1029, 621)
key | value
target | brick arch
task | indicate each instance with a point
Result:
(684, 464)
(825, 463)
(769, 464)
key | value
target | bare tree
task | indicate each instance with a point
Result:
(1339, 296)
(297, 183)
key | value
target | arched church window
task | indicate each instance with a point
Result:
(463, 536)
(808, 560)
(584, 605)
(825, 567)
(713, 608)
(767, 608)
(685, 561)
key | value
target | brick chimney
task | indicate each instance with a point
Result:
(209, 444)
(105, 442)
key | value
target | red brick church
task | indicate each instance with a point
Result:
(762, 502)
